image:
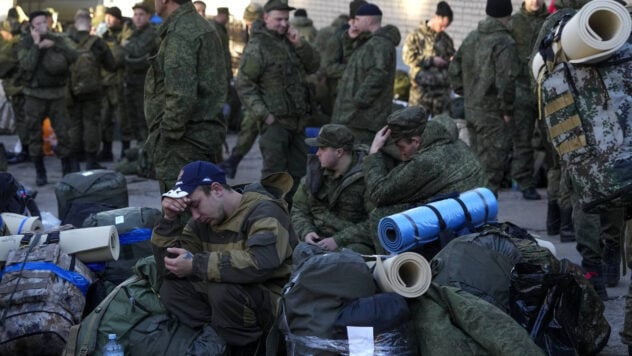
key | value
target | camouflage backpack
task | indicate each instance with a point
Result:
(587, 108)
(42, 295)
(85, 72)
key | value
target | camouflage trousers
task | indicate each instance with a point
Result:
(435, 103)
(523, 125)
(111, 112)
(35, 111)
(491, 141)
(133, 124)
(84, 126)
(17, 102)
(247, 134)
(626, 331)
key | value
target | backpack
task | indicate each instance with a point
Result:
(586, 108)
(134, 313)
(42, 294)
(85, 72)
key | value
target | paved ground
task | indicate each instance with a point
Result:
(528, 214)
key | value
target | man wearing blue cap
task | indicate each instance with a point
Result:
(228, 265)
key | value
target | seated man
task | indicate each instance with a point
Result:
(329, 202)
(434, 162)
(227, 266)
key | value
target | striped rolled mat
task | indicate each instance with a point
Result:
(418, 226)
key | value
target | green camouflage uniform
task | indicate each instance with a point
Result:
(365, 92)
(333, 206)
(525, 27)
(139, 47)
(113, 82)
(12, 84)
(45, 73)
(444, 164)
(429, 84)
(272, 80)
(223, 36)
(239, 268)
(185, 89)
(86, 108)
(484, 70)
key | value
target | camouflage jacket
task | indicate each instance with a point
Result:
(444, 164)
(365, 92)
(185, 86)
(10, 71)
(272, 77)
(421, 47)
(45, 72)
(115, 37)
(525, 27)
(332, 207)
(485, 68)
(222, 32)
(142, 44)
(252, 246)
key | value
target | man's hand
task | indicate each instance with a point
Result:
(35, 35)
(182, 264)
(439, 62)
(174, 207)
(293, 35)
(328, 244)
(380, 139)
(46, 43)
(312, 238)
(270, 119)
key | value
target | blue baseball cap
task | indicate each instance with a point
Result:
(193, 175)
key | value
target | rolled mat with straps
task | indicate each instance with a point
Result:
(421, 225)
(93, 244)
(20, 224)
(596, 31)
(407, 274)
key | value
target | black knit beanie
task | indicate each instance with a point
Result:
(498, 8)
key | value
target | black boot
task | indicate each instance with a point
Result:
(69, 165)
(531, 194)
(594, 275)
(611, 266)
(567, 232)
(105, 155)
(124, 147)
(40, 171)
(553, 218)
(229, 166)
(92, 162)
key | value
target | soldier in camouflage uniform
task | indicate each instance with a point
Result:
(227, 266)
(434, 161)
(142, 44)
(220, 21)
(330, 201)
(428, 51)
(44, 60)
(484, 70)
(272, 85)
(185, 89)
(365, 92)
(525, 26)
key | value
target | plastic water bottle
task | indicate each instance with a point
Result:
(112, 348)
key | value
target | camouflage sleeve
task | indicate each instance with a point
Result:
(67, 47)
(28, 55)
(333, 58)
(302, 219)
(507, 68)
(250, 70)
(267, 246)
(455, 73)
(143, 45)
(309, 56)
(412, 52)
(168, 233)
(376, 78)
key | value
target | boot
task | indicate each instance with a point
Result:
(40, 171)
(124, 147)
(611, 266)
(553, 218)
(105, 155)
(92, 162)
(69, 165)
(594, 275)
(229, 166)
(567, 232)
(531, 194)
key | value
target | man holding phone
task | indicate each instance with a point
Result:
(272, 84)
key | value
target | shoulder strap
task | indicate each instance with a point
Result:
(88, 42)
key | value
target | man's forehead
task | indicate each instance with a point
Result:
(279, 14)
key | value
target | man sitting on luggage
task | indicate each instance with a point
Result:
(330, 200)
(227, 266)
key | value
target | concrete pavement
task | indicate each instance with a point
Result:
(527, 214)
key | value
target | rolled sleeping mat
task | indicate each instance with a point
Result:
(407, 274)
(20, 224)
(418, 226)
(93, 244)
(596, 31)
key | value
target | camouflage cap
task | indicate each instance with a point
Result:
(332, 135)
(253, 12)
(142, 6)
(279, 5)
(407, 122)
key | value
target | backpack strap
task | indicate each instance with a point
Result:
(88, 42)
